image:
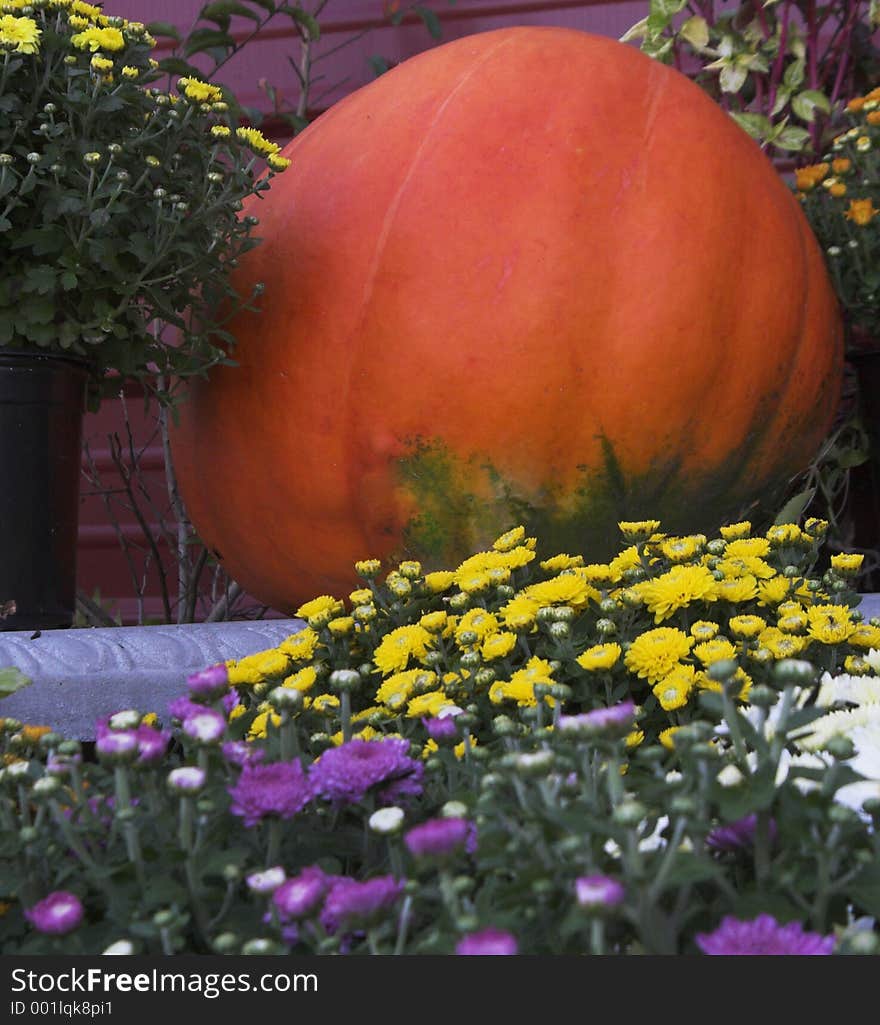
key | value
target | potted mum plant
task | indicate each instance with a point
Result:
(119, 226)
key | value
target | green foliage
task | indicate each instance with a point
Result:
(548, 771)
(119, 204)
(782, 69)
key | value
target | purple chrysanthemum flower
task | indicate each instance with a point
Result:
(183, 707)
(59, 913)
(279, 789)
(348, 772)
(152, 744)
(240, 752)
(441, 838)
(299, 896)
(205, 726)
(762, 936)
(353, 905)
(441, 729)
(488, 941)
(230, 699)
(209, 683)
(616, 720)
(598, 892)
(116, 744)
(737, 835)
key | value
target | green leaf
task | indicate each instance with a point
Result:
(637, 31)
(696, 31)
(40, 279)
(793, 509)
(791, 138)
(733, 77)
(163, 28)
(865, 890)
(308, 22)
(430, 20)
(806, 103)
(12, 680)
(757, 125)
(794, 73)
(378, 64)
(205, 39)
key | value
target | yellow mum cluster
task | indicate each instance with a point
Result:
(508, 631)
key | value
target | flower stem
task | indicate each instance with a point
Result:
(273, 848)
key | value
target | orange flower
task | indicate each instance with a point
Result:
(861, 211)
(873, 118)
(807, 178)
(838, 189)
(841, 165)
(32, 734)
(856, 104)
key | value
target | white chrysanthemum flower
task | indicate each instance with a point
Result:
(386, 821)
(838, 724)
(855, 690)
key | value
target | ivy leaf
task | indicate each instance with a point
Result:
(733, 77)
(12, 680)
(206, 39)
(791, 138)
(806, 103)
(793, 509)
(308, 22)
(696, 31)
(757, 125)
(794, 73)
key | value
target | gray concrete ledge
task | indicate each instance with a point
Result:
(80, 675)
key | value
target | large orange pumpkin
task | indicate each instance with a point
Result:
(528, 276)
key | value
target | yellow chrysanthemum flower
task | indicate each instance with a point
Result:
(277, 163)
(517, 557)
(638, 530)
(682, 549)
(474, 583)
(735, 531)
(300, 646)
(434, 622)
(716, 650)
(599, 657)
(498, 645)
(674, 689)
(303, 680)
(627, 559)
(367, 568)
(746, 626)
(865, 636)
(847, 562)
(324, 704)
(792, 622)
(784, 534)
(633, 739)
(102, 64)
(20, 35)
(782, 645)
(667, 737)
(741, 677)
(773, 591)
(676, 589)
(399, 688)
(260, 726)
(477, 621)
(830, 624)
(704, 630)
(747, 548)
(439, 581)
(341, 626)
(254, 139)
(321, 609)
(521, 686)
(560, 562)
(737, 589)
(509, 540)
(221, 131)
(566, 589)
(397, 647)
(655, 653)
(99, 39)
(519, 613)
(856, 665)
(739, 566)
(430, 704)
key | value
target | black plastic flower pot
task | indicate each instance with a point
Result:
(42, 401)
